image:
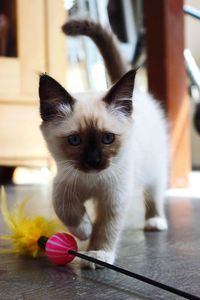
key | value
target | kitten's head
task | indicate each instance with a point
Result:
(88, 130)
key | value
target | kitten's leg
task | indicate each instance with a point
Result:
(154, 208)
(105, 234)
(82, 230)
(71, 211)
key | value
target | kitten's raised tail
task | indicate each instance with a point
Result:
(105, 42)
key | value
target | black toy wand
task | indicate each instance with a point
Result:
(61, 248)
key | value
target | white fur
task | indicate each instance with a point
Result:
(83, 230)
(141, 162)
(156, 223)
(105, 256)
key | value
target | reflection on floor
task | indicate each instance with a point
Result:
(193, 190)
(171, 257)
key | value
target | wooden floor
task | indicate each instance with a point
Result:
(171, 257)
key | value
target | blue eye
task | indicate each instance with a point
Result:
(108, 138)
(74, 139)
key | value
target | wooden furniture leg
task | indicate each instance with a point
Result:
(167, 78)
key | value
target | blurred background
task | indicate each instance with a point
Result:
(152, 34)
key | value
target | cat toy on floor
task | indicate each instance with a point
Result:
(30, 236)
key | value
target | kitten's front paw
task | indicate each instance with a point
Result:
(155, 224)
(105, 256)
(83, 230)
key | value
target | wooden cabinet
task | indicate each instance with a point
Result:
(40, 48)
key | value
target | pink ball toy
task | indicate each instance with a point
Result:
(57, 247)
(61, 248)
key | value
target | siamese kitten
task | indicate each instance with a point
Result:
(106, 146)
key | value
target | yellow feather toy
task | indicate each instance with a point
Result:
(30, 235)
(25, 230)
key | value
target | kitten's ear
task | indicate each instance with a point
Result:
(55, 101)
(120, 94)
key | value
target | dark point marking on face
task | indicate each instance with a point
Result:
(92, 154)
(91, 147)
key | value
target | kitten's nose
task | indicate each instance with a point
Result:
(93, 158)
